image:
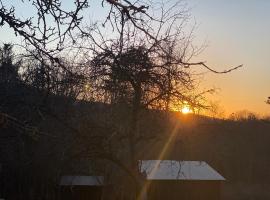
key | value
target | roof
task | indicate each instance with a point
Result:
(82, 180)
(178, 170)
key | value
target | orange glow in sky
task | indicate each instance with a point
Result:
(240, 36)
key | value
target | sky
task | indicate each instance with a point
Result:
(237, 32)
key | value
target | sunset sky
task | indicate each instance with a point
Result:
(237, 32)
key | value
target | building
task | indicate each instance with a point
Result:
(81, 187)
(185, 180)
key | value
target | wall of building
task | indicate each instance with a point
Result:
(184, 190)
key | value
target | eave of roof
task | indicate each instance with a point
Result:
(82, 180)
(178, 170)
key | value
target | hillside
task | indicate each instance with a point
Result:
(239, 150)
(68, 133)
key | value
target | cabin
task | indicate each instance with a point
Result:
(81, 187)
(185, 180)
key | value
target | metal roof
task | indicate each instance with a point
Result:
(178, 170)
(82, 180)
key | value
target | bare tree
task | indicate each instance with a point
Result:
(53, 23)
(144, 68)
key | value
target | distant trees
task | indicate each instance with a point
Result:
(243, 115)
(215, 110)
(268, 100)
(9, 77)
(8, 66)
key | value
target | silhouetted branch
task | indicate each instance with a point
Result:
(210, 69)
(8, 120)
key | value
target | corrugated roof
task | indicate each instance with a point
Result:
(82, 180)
(178, 170)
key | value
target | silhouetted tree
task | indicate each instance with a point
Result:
(8, 66)
(143, 70)
(53, 23)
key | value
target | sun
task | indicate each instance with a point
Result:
(186, 110)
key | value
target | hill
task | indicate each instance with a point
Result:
(62, 135)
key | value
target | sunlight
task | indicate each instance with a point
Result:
(186, 109)
(161, 156)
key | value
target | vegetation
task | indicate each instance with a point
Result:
(78, 101)
(46, 135)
